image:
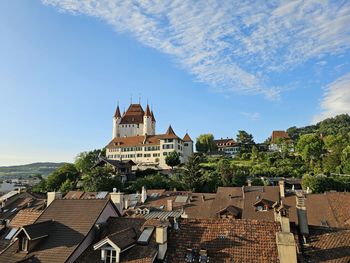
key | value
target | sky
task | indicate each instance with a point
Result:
(204, 67)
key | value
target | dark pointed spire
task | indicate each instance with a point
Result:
(117, 113)
(148, 112)
(170, 131)
(152, 115)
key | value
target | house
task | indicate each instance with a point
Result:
(61, 233)
(12, 204)
(134, 139)
(124, 240)
(230, 240)
(276, 136)
(227, 146)
(121, 168)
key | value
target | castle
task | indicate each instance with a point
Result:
(134, 138)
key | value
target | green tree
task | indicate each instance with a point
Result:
(86, 160)
(240, 175)
(192, 173)
(225, 170)
(172, 159)
(345, 160)
(101, 179)
(58, 177)
(310, 147)
(205, 143)
(244, 138)
(66, 186)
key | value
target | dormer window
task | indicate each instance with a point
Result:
(24, 244)
(108, 255)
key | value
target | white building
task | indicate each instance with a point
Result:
(134, 139)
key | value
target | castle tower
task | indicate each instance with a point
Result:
(116, 121)
(188, 147)
(147, 122)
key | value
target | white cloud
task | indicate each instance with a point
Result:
(230, 45)
(336, 99)
(253, 116)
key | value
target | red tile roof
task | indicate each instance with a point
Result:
(134, 115)
(226, 240)
(278, 135)
(25, 217)
(187, 138)
(327, 245)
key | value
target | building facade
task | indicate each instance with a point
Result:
(135, 139)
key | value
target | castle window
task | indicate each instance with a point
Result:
(186, 144)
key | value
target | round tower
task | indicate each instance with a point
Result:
(116, 121)
(147, 122)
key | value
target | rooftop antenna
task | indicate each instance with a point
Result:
(139, 98)
(131, 99)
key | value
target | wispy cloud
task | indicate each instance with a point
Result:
(253, 116)
(336, 99)
(230, 45)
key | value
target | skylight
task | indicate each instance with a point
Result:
(11, 233)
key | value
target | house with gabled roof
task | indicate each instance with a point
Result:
(61, 233)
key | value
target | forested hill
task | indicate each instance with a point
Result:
(24, 171)
(339, 125)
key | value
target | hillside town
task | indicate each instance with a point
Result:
(261, 219)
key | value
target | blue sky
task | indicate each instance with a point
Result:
(216, 67)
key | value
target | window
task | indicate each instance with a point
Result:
(185, 144)
(24, 244)
(110, 255)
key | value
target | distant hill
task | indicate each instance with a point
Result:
(26, 170)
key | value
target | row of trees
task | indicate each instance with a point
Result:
(82, 174)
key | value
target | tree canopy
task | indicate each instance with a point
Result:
(205, 143)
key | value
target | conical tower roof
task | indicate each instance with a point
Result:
(117, 113)
(170, 134)
(148, 112)
(152, 115)
(187, 138)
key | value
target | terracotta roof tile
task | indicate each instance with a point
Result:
(187, 138)
(278, 135)
(25, 217)
(327, 245)
(134, 115)
(226, 240)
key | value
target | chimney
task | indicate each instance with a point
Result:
(281, 216)
(161, 240)
(126, 202)
(203, 198)
(302, 214)
(143, 194)
(286, 247)
(249, 182)
(118, 199)
(169, 205)
(281, 184)
(51, 196)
